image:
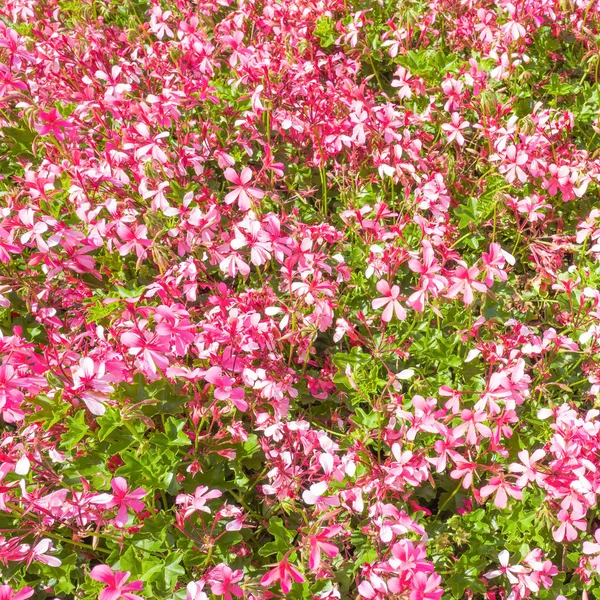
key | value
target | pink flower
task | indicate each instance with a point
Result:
(125, 499)
(52, 124)
(542, 571)
(158, 24)
(511, 167)
(116, 586)
(426, 587)
(114, 89)
(238, 517)
(592, 547)
(532, 205)
(319, 543)
(512, 573)
(315, 495)
(569, 523)
(430, 281)
(390, 301)
(250, 234)
(284, 573)
(90, 382)
(38, 553)
(528, 468)
(485, 32)
(464, 469)
(375, 588)
(149, 144)
(35, 229)
(198, 501)
(473, 425)
(242, 192)
(134, 239)
(224, 389)
(148, 348)
(7, 593)
(455, 128)
(223, 579)
(513, 30)
(495, 260)
(193, 591)
(402, 82)
(502, 489)
(463, 281)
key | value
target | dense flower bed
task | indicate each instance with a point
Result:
(299, 299)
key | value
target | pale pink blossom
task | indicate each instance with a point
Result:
(390, 301)
(243, 193)
(455, 128)
(198, 501)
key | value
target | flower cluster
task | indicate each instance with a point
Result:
(299, 299)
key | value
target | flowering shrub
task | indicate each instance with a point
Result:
(299, 299)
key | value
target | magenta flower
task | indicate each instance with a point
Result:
(284, 573)
(463, 281)
(7, 593)
(320, 543)
(125, 499)
(116, 586)
(223, 580)
(52, 123)
(426, 587)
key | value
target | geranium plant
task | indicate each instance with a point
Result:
(299, 299)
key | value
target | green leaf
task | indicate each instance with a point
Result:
(99, 311)
(76, 430)
(325, 30)
(20, 139)
(133, 293)
(52, 411)
(171, 573)
(280, 533)
(108, 422)
(173, 434)
(268, 549)
(354, 358)
(369, 420)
